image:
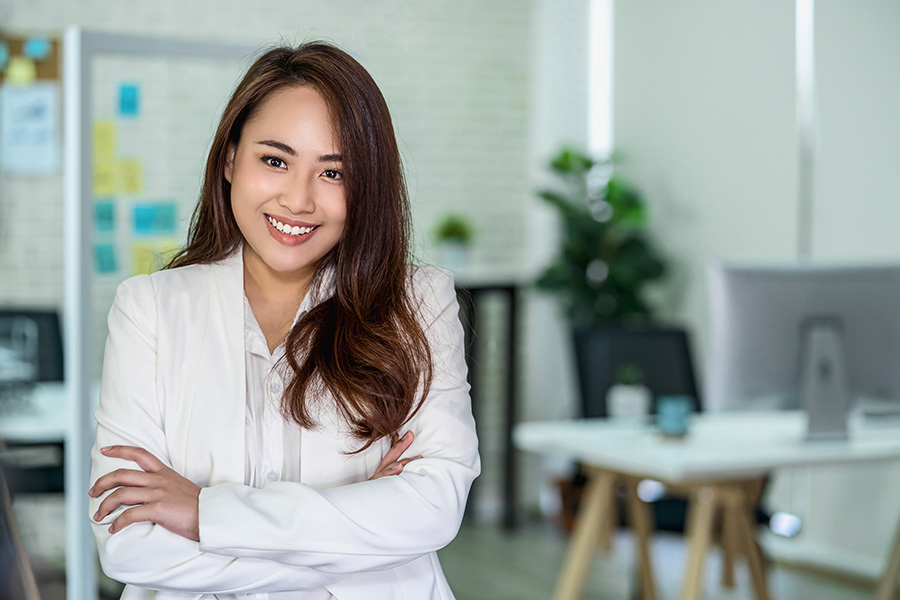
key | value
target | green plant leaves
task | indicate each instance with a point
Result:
(605, 258)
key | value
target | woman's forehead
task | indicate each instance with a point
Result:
(295, 115)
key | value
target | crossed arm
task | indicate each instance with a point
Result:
(160, 495)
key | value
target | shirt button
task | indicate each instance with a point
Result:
(272, 476)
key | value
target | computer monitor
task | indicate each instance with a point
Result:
(804, 335)
(44, 327)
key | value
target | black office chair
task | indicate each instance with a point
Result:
(661, 354)
(16, 577)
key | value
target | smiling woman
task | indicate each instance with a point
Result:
(255, 392)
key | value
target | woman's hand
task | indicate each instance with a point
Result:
(392, 464)
(156, 494)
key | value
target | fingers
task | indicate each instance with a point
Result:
(394, 468)
(137, 514)
(120, 477)
(144, 459)
(399, 447)
(124, 496)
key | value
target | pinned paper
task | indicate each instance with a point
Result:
(104, 138)
(36, 48)
(149, 257)
(129, 100)
(132, 176)
(20, 71)
(105, 258)
(104, 176)
(4, 55)
(104, 216)
(155, 219)
(29, 123)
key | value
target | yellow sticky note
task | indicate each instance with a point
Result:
(104, 138)
(132, 174)
(104, 176)
(149, 257)
(20, 71)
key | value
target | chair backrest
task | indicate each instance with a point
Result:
(661, 354)
(18, 327)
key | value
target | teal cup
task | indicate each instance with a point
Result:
(672, 415)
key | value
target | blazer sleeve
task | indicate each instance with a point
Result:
(145, 554)
(371, 524)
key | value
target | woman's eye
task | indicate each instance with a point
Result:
(274, 161)
(332, 174)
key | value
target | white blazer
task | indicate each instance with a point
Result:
(174, 384)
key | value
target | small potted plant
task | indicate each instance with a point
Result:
(629, 399)
(454, 234)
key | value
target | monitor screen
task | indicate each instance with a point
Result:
(761, 317)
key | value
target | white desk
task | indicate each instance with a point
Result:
(719, 465)
(45, 418)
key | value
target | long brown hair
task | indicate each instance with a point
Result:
(363, 344)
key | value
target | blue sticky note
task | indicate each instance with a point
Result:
(155, 219)
(129, 100)
(4, 55)
(104, 216)
(105, 258)
(36, 48)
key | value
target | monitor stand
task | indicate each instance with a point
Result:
(823, 385)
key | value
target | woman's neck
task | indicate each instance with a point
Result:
(274, 297)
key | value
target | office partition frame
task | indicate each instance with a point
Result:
(80, 49)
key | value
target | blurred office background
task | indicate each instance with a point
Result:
(698, 96)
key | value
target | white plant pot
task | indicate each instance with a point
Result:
(628, 402)
(454, 256)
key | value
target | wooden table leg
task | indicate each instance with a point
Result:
(594, 505)
(740, 503)
(729, 543)
(888, 584)
(703, 510)
(642, 524)
(610, 524)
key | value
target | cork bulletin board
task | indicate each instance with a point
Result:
(46, 69)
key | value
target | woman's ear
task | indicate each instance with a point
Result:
(229, 161)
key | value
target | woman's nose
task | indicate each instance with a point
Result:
(299, 196)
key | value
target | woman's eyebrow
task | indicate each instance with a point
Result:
(280, 145)
(287, 149)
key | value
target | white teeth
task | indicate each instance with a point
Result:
(295, 230)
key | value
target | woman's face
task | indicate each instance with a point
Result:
(287, 187)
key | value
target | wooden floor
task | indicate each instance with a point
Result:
(483, 563)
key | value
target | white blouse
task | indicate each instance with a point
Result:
(272, 442)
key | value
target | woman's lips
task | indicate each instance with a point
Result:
(289, 232)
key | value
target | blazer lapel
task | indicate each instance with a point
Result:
(217, 401)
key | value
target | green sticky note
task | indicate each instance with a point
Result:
(105, 258)
(104, 215)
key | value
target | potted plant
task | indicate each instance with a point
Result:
(454, 234)
(605, 259)
(628, 399)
